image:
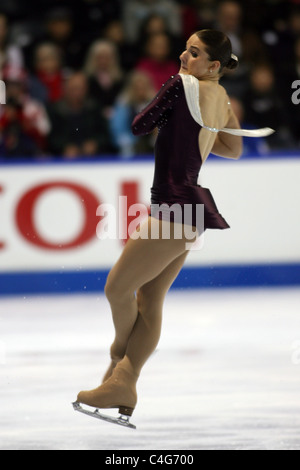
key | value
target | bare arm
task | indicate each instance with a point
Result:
(228, 145)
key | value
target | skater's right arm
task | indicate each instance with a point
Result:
(227, 145)
(148, 119)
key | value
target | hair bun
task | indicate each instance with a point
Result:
(233, 62)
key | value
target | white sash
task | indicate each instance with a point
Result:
(192, 95)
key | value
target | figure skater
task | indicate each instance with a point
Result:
(194, 117)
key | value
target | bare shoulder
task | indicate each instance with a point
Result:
(223, 96)
(209, 87)
(222, 89)
(214, 104)
(222, 93)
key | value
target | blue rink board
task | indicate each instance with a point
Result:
(237, 276)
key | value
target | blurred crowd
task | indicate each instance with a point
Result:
(76, 72)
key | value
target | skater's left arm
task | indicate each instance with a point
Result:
(148, 119)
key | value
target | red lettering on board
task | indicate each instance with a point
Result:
(26, 223)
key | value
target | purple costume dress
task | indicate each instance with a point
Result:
(177, 155)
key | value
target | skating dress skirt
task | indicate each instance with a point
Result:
(177, 156)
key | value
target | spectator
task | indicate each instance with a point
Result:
(93, 16)
(109, 39)
(78, 127)
(254, 50)
(60, 30)
(156, 62)
(264, 107)
(229, 20)
(156, 24)
(137, 94)
(57, 25)
(189, 18)
(49, 74)
(205, 14)
(106, 78)
(114, 32)
(136, 11)
(10, 55)
(24, 123)
(281, 36)
(246, 43)
(293, 31)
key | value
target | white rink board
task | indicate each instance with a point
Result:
(258, 198)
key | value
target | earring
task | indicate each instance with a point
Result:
(210, 71)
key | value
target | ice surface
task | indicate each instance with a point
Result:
(226, 374)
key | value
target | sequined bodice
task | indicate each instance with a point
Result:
(177, 154)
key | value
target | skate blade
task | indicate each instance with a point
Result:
(122, 420)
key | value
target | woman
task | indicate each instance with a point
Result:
(11, 56)
(105, 75)
(149, 266)
(49, 73)
(156, 61)
(138, 92)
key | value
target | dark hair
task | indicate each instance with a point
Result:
(218, 47)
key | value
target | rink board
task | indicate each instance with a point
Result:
(48, 231)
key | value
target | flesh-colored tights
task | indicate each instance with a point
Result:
(147, 267)
(136, 288)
